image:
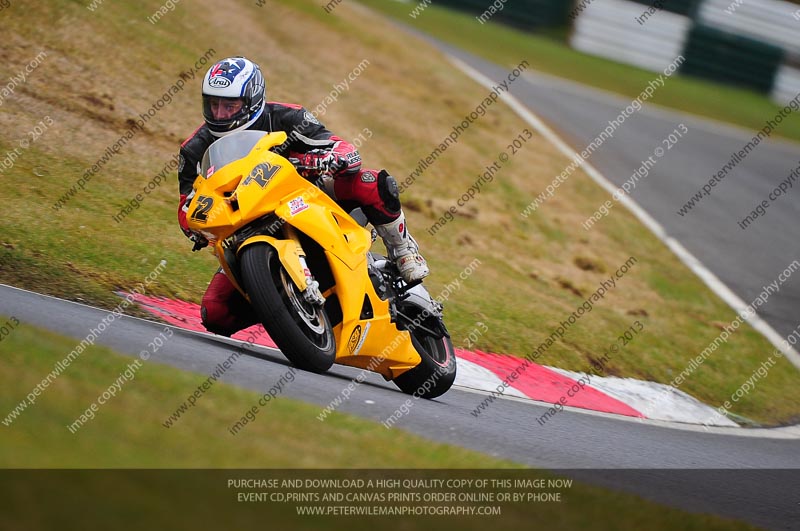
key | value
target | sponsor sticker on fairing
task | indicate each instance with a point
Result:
(297, 205)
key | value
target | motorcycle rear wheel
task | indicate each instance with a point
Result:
(301, 330)
(436, 372)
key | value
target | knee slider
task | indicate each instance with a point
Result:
(389, 192)
(211, 325)
(210, 320)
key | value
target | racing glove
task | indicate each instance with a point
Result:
(199, 240)
(342, 159)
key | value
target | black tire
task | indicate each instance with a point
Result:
(302, 331)
(436, 372)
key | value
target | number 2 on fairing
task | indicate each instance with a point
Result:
(262, 174)
(204, 204)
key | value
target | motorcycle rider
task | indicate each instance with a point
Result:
(234, 100)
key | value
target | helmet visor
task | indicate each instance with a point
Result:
(224, 113)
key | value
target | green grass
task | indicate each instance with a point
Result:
(509, 46)
(127, 433)
(40, 438)
(533, 272)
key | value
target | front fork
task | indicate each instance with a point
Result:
(290, 253)
(310, 287)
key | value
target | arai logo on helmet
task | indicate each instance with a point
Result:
(219, 82)
(223, 74)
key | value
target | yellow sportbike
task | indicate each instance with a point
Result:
(305, 266)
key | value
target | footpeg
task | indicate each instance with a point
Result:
(401, 287)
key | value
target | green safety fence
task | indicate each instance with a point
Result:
(710, 53)
(522, 14)
(681, 7)
(729, 58)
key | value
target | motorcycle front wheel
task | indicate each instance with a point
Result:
(301, 330)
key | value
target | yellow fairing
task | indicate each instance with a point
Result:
(364, 342)
(289, 253)
(264, 183)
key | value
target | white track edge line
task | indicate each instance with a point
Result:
(782, 432)
(770, 433)
(221, 339)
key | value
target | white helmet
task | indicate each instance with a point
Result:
(234, 78)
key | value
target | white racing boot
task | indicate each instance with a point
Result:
(403, 249)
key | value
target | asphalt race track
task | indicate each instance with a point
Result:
(666, 463)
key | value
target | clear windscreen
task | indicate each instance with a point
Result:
(227, 149)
